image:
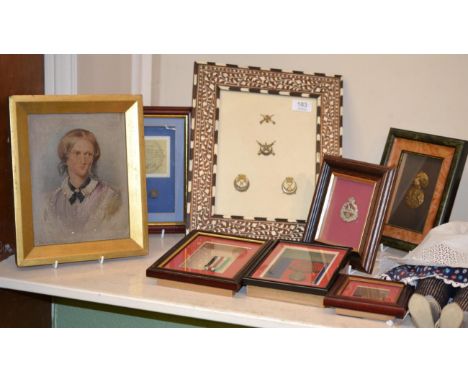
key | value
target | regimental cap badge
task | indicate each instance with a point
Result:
(349, 212)
(266, 148)
(241, 183)
(289, 186)
(267, 118)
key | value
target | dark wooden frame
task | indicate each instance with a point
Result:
(234, 283)
(364, 258)
(336, 300)
(405, 239)
(168, 112)
(266, 250)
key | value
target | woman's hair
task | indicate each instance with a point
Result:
(68, 141)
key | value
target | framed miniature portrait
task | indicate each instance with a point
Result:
(429, 169)
(258, 137)
(354, 294)
(349, 206)
(217, 262)
(295, 272)
(78, 178)
(166, 154)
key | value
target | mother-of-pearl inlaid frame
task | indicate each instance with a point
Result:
(216, 153)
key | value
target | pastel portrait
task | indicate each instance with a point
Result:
(79, 177)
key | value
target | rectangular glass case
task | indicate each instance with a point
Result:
(365, 294)
(209, 259)
(296, 271)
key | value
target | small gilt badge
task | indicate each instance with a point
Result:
(415, 195)
(266, 148)
(241, 183)
(349, 212)
(267, 118)
(289, 186)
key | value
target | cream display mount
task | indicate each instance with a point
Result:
(258, 138)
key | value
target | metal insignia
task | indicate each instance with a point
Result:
(266, 148)
(349, 212)
(153, 193)
(415, 195)
(241, 183)
(267, 118)
(289, 186)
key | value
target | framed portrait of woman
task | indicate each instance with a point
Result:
(77, 172)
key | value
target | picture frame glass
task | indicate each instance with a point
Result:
(165, 154)
(372, 290)
(257, 133)
(429, 170)
(300, 264)
(346, 209)
(212, 256)
(78, 179)
(257, 143)
(87, 160)
(416, 182)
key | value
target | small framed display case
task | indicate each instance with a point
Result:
(295, 272)
(206, 262)
(349, 207)
(166, 148)
(246, 122)
(429, 169)
(368, 297)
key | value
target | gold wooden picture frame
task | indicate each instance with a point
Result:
(257, 142)
(78, 175)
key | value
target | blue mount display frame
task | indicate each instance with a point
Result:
(167, 194)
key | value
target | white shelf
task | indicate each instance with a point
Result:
(123, 282)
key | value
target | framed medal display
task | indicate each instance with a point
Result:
(166, 153)
(429, 169)
(349, 206)
(369, 297)
(258, 138)
(206, 262)
(295, 272)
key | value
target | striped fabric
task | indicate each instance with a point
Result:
(461, 298)
(436, 288)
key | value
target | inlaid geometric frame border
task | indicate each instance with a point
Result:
(451, 153)
(209, 80)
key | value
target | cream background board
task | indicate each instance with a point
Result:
(425, 93)
(294, 137)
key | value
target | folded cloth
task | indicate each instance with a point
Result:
(444, 246)
(410, 274)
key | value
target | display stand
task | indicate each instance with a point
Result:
(56, 263)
